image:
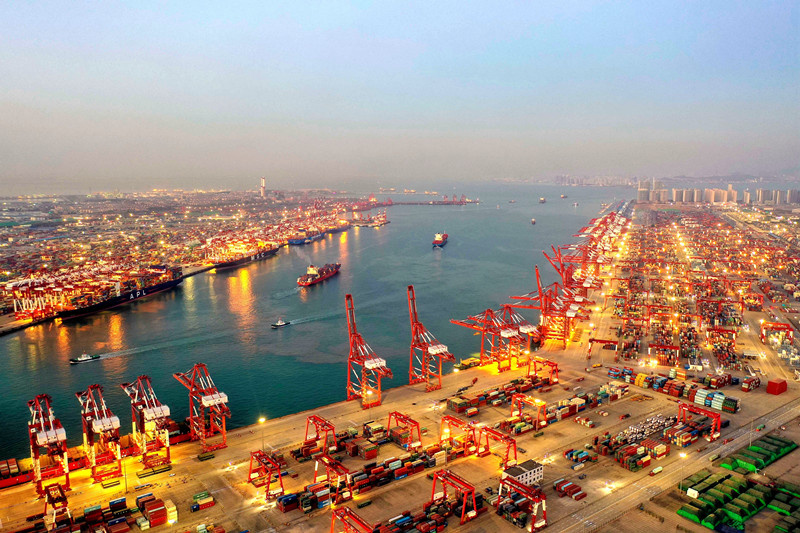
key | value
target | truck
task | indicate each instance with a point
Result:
(656, 470)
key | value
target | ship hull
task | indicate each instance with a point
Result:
(319, 279)
(77, 361)
(236, 263)
(130, 296)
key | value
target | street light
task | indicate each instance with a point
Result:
(682, 455)
(261, 423)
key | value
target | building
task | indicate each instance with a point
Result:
(763, 196)
(746, 197)
(528, 473)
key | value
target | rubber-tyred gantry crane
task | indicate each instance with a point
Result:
(323, 429)
(464, 492)
(403, 421)
(46, 432)
(349, 522)
(264, 471)
(535, 496)
(485, 434)
(427, 354)
(150, 422)
(338, 477)
(204, 395)
(519, 401)
(100, 434)
(468, 436)
(56, 499)
(364, 368)
(716, 418)
(776, 326)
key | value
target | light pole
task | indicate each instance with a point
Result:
(261, 423)
(682, 455)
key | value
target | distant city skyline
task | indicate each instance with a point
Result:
(132, 97)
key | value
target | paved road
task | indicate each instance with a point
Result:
(601, 512)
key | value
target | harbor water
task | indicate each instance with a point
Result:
(223, 319)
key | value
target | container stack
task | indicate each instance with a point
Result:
(750, 384)
(656, 449)
(156, 512)
(201, 500)
(172, 512)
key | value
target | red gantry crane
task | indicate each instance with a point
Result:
(100, 434)
(364, 368)
(518, 402)
(350, 522)
(403, 421)
(338, 477)
(264, 471)
(468, 437)
(56, 499)
(46, 432)
(534, 496)
(464, 492)
(150, 422)
(323, 429)
(204, 395)
(427, 353)
(485, 434)
(716, 418)
(497, 338)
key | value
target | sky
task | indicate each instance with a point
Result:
(113, 96)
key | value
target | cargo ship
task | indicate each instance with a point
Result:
(439, 240)
(305, 237)
(124, 291)
(373, 222)
(315, 275)
(235, 257)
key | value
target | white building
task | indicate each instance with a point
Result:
(528, 473)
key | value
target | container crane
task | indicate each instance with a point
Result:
(264, 471)
(427, 354)
(464, 492)
(203, 394)
(497, 338)
(46, 432)
(535, 496)
(364, 368)
(716, 418)
(468, 436)
(405, 422)
(485, 434)
(150, 422)
(56, 499)
(100, 434)
(323, 429)
(338, 477)
(519, 401)
(350, 522)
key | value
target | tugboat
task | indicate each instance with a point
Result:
(439, 240)
(315, 275)
(542, 200)
(83, 358)
(280, 323)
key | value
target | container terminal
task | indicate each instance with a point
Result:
(656, 386)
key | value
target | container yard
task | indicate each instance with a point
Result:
(630, 388)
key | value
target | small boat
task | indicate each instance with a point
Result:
(575, 204)
(533, 221)
(439, 240)
(280, 323)
(563, 196)
(542, 200)
(512, 201)
(83, 358)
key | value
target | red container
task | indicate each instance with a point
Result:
(776, 386)
(207, 505)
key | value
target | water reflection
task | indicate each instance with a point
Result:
(241, 300)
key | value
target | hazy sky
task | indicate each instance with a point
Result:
(102, 95)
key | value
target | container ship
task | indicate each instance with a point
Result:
(158, 279)
(305, 237)
(439, 240)
(314, 275)
(372, 222)
(228, 254)
(87, 289)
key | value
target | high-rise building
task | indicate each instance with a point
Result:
(763, 196)
(732, 195)
(263, 187)
(746, 197)
(793, 196)
(779, 197)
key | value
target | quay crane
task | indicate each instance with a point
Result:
(150, 422)
(427, 353)
(45, 431)
(364, 368)
(203, 394)
(500, 341)
(100, 434)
